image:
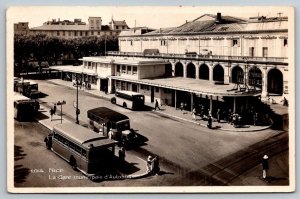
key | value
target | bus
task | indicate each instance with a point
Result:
(27, 87)
(24, 108)
(85, 150)
(104, 120)
(129, 99)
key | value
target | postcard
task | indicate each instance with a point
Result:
(150, 99)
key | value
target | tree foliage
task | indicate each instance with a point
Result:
(41, 48)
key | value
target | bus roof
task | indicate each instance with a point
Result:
(83, 135)
(107, 114)
(131, 93)
(18, 96)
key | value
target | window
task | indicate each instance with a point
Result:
(80, 33)
(64, 33)
(265, 52)
(117, 27)
(75, 33)
(89, 63)
(69, 33)
(98, 32)
(251, 51)
(142, 86)
(92, 33)
(285, 42)
(123, 27)
(163, 42)
(92, 21)
(57, 33)
(124, 69)
(134, 70)
(131, 43)
(166, 90)
(235, 42)
(129, 70)
(118, 68)
(156, 89)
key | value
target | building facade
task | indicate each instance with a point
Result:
(73, 29)
(217, 61)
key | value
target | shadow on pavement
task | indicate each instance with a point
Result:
(19, 153)
(20, 173)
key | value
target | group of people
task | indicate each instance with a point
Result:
(153, 165)
(84, 85)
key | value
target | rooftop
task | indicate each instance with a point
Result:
(196, 86)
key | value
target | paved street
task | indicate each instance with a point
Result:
(189, 152)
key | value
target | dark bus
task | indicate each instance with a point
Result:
(104, 120)
(24, 108)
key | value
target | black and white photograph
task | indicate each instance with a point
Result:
(150, 99)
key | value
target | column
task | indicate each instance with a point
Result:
(227, 73)
(197, 70)
(210, 103)
(264, 92)
(185, 69)
(61, 75)
(211, 74)
(173, 68)
(175, 99)
(234, 104)
(192, 101)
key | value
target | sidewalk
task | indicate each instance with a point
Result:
(172, 112)
(133, 167)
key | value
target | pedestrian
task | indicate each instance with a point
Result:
(149, 164)
(156, 104)
(51, 113)
(218, 115)
(285, 102)
(229, 116)
(156, 168)
(83, 85)
(122, 153)
(255, 114)
(181, 106)
(265, 166)
(110, 134)
(54, 108)
(194, 112)
(209, 122)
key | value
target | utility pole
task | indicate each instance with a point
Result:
(77, 110)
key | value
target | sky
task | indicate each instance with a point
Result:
(152, 17)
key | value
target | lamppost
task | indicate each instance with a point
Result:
(77, 110)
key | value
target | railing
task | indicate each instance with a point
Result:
(196, 56)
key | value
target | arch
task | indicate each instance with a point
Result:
(204, 72)
(168, 70)
(191, 70)
(218, 73)
(237, 75)
(255, 77)
(275, 81)
(179, 69)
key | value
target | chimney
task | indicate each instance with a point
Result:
(219, 17)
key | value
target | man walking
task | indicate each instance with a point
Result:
(156, 104)
(265, 166)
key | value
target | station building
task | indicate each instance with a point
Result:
(217, 61)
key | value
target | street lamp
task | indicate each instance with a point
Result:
(77, 110)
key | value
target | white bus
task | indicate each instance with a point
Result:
(129, 99)
(82, 148)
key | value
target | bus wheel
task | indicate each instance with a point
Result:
(73, 163)
(113, 100)
(124, 105)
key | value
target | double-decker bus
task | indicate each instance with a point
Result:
(24, 108)
(129, 99)
(85, 150)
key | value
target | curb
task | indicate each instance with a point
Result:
(224, 129)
